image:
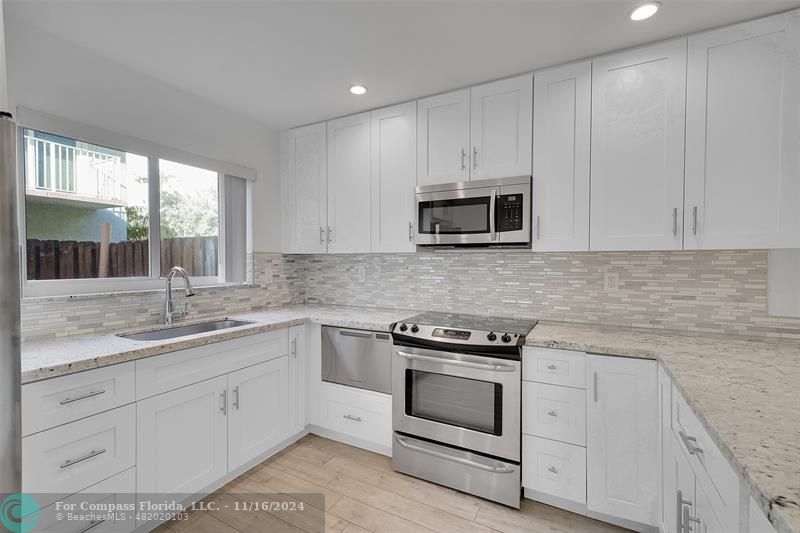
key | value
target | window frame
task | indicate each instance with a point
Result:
(34, 120)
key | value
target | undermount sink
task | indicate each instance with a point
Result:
(184, 331)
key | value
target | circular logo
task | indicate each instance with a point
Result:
(19, 512)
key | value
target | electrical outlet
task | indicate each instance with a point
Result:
(268, 276)
(362, 274)
(611, 283)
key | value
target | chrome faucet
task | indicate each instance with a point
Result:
(169, 311)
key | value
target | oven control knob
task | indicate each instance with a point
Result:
(403, 327)
(491, 336)
(506, 337)
(414, 328)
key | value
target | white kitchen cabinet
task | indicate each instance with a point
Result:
(298, 380)
(258, 403)
(304, 189)
(554, 412)
(361, 416)
(501, 122)
(622, 438)
(554, 469)
(182, 438)
(443, 138)
(758, 521)
(667, 472)
(561, 142)
(394, 177)
(348, 186)
(638, 117)
(742, 136)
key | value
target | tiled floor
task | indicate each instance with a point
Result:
(362, 494)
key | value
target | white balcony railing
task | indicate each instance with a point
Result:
(70, 170)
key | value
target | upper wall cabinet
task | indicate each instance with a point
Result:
(443, 138)
(501, 125)
(303, 184)
(562, 112)
(348, 228)
(394, 176)
(478, 133)
(743, 136)
(638, 110)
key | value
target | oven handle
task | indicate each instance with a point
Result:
(460, 460)
(456, 362)
(493, 214)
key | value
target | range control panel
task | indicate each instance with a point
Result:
(510, 212)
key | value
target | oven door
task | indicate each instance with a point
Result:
(464, 216)
(468, 401)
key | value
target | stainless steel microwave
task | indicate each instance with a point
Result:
(484, 212)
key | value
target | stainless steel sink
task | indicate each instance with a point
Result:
(183, 331)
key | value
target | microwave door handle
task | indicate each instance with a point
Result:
(493, 214)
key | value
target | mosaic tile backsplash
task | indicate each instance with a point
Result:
(716, 292)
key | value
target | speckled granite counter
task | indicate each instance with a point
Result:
(52, 358)
(746, 391)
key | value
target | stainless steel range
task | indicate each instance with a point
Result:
(456, 383)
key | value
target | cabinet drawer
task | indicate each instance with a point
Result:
(709, 465)
(554, 468)
(50, 403)
(558, 367)
(554, 412)
(117, 491)
(171, 371)
(362, 414)
(70, 458)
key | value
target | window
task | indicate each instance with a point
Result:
(98, 219)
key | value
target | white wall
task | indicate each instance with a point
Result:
(48, 74)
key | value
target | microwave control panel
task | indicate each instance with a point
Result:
(510, 212)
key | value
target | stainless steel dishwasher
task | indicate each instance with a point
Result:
(357, 358)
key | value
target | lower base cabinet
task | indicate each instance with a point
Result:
(554, 468)
(298, 380)
(364, 415)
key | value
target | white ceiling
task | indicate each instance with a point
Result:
(286, 63)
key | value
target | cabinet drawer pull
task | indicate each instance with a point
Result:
(538, 227)
(694, 220)
(553, 469)
(70, 462)
(675, 221)
(294, 348)
(224, 400)
(410, 232)
(595, 387)
(552, 413)
(321, 235)
(93, 524)
(689, 442)
(86, 396)
(552, 367)
(463, 159)
(236, 397)
(353, 418)
(474, 157)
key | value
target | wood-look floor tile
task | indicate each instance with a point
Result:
(301, 468)
(436, 496)
(352, 528)
(181, 525)
(288, 483)
(334, 524)
(208, 524)
(246, 520)
(368, 458)
(373, 519)
(535, 516)
(310, 454)
(397, 505)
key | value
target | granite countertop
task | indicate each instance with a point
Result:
(57, 357)
(745, 390)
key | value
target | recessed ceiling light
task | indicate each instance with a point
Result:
(358, 89)
(645, 11)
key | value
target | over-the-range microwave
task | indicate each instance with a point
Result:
(494, 212)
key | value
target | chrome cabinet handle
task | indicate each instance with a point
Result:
(552, 413)
(553, 469)
(680, 525)
(694, 220)
(500, 469)
(353, 418)
(674, 221)
(86, 396)
(93, 524)
(236, 397)
(71, 462)
(294, 348)
(538, 227)
(455, 362)
(688, 520)
(595, 387)
(321, 235)
(463, 159)
(492, 204)
(330, 235)
(410, 232)
(224, 398)
(689, 442)
(551, 367)
(474, 157)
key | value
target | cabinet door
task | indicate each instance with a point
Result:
(259, 405)
(742, 136)
(501, 123)
(303, 189)
(638, 108)
(182, 438)
(622, 438)
(394, 176)
(443, 138)
(667, 510)
(298, 380)
(349, 184)
(561, 132)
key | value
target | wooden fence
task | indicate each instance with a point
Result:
(74, 259)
